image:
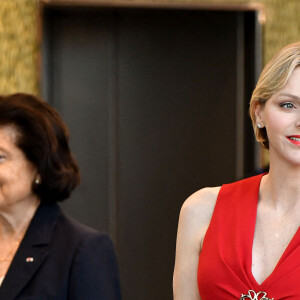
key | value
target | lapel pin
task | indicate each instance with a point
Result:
(29, 259)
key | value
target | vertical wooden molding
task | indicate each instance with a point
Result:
(259, 160)
(240, 130)
(113, 135)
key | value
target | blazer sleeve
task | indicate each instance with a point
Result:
(94, 272)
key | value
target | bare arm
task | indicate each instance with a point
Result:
(194, 219)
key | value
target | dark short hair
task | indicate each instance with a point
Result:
(44, 139)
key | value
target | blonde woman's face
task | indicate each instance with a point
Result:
(281, 117)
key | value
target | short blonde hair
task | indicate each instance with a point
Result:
(272, 79)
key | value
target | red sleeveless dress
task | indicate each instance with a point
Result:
(224, 270)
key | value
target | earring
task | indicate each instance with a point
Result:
(37, 180)
(259, 125)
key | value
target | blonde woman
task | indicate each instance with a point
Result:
(242, 240)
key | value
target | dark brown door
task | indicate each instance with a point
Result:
(156, 102)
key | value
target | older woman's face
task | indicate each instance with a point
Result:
(16, 172)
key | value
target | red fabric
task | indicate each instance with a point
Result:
(224, 270)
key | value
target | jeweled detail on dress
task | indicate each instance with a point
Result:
(255, 296)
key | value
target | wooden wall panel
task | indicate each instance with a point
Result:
(156, 102)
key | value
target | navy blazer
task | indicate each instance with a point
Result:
(60, 259)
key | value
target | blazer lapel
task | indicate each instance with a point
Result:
(21, 271)
(32, 251)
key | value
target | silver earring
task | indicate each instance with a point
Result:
(259, 125)
(37, 181)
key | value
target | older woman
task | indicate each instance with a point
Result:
(43, 253)
(242, 240)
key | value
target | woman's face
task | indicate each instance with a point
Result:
(281, 117)
(16, 172)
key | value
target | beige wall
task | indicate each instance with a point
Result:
(19, 47)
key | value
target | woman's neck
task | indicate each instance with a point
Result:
(14, 219)
(280, 188)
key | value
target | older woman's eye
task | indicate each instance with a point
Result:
(288, 105)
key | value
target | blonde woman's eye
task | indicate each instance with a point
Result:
(287, 105)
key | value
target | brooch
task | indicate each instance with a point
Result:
(253, 296)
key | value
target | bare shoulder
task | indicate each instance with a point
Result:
(195, 216)
(200, 205)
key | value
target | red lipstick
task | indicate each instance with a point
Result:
(295, 139)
